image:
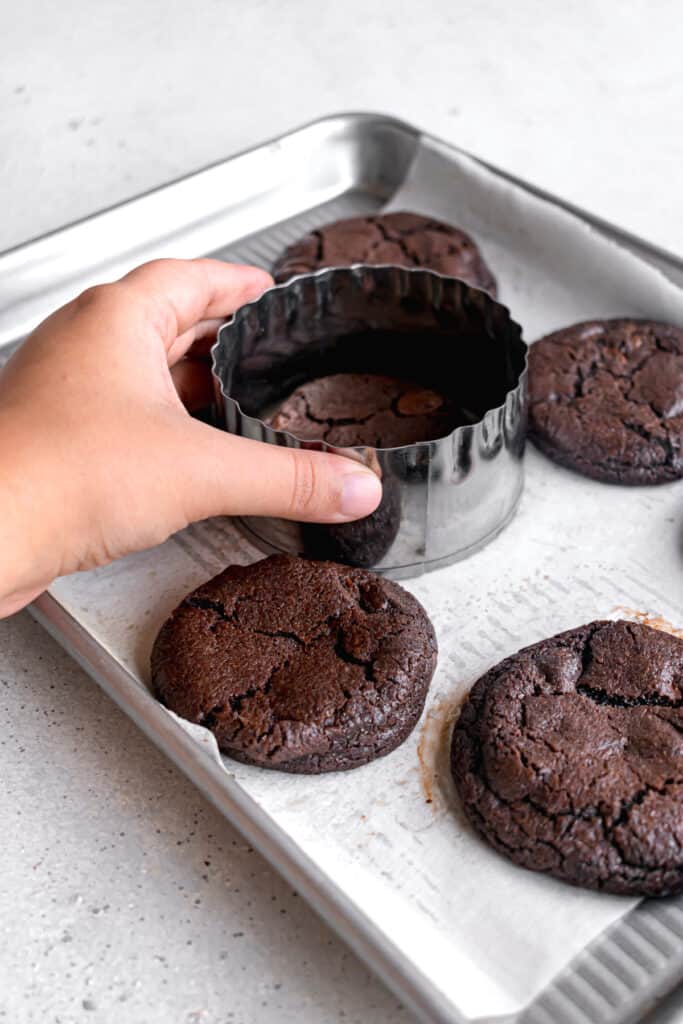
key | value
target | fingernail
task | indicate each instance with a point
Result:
(361, 493)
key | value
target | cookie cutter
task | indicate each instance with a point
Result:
(443, 499)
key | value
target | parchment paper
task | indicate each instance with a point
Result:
(391, 834)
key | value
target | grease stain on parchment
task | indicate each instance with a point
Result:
(650, 619)
(433, 749)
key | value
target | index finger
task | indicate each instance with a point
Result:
(175, 295)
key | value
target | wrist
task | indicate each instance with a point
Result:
(31, 505)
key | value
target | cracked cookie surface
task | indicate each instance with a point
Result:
(606, 399)
(347, 409)
(296, 665)
(568, 758)
(403, 239)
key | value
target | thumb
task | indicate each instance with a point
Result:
(230, 475)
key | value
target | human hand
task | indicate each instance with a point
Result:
(98, 455)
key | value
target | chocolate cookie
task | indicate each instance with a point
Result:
(404, 239)
(296, 665)
(568, 757)
(363, 542)
(606, 399)
(348, 409)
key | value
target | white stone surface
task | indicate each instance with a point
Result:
(124, 897)
(109, 910)
(100, 101)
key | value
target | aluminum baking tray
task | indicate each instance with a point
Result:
(247, 208)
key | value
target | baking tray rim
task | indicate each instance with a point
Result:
(358, 117)
(372, 118)
(366, 939)
(369, 942)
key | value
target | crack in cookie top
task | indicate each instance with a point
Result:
(402, 239)
(568, 757)
(347, 409)
(606, 399)
(298, 665)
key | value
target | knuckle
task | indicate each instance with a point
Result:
(164, 263)
(305, 483)
(161, 318)
(96, 295)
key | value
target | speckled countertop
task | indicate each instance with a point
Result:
(123, 896)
